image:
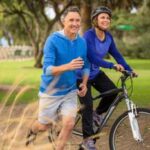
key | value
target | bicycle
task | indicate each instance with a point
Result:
(133, 123)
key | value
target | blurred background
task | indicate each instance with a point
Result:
(24, 27)
(27, 23)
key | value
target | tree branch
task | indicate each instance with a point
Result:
(42, 4)
(57, 18)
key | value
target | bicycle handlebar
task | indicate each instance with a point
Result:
(129, 73)
(125, 75)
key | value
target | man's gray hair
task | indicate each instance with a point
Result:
(70, 9)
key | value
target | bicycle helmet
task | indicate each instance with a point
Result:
(99, 10)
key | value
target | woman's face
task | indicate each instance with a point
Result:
(104, 21)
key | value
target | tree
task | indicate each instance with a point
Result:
(86, 7)
(33, 17)
(14, 36)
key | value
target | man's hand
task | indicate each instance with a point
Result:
(73, 65)
(82, 90)
(76, 64)
(118, 67)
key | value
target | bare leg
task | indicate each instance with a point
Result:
(67, 126)
(37, 126)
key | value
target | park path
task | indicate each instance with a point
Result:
(15, 121)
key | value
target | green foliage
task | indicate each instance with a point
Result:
(133, 43)
(10, 23)
(19, 35)
(120, 17)
(141, 49)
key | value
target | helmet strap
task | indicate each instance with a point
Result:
(99, 28)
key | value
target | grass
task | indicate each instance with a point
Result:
(12, 71)
(141, 91)
(23, 74)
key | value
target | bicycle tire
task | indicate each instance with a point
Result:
(121, 137)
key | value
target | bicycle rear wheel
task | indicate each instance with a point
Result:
(121, 137)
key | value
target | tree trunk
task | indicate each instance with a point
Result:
(86, 8)
(38, 59)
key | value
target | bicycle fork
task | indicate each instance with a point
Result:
(132, 113)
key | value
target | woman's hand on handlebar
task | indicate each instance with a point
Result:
(134, 74)
(118, 67)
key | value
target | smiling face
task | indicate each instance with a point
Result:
(72, 23)
(103, 21)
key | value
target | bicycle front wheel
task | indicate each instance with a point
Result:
(121, 137)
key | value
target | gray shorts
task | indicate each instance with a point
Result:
(51, 107)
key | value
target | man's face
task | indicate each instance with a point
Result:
(72, 23)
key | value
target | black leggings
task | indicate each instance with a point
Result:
(101, 83)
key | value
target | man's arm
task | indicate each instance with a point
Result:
(73, 65)
(50, 57)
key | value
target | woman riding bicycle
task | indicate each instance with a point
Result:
(99, 43)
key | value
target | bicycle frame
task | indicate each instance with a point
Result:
(111, 110)
(122, 94)
(108, 113)
(131, 107)
(132, 113)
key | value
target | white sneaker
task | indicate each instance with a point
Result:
(88, 145)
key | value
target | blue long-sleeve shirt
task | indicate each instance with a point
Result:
(59, 50)
(97, 50)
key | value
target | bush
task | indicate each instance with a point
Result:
(141, 49)
(133, 43)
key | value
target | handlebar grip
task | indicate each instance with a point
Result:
(129, 73)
